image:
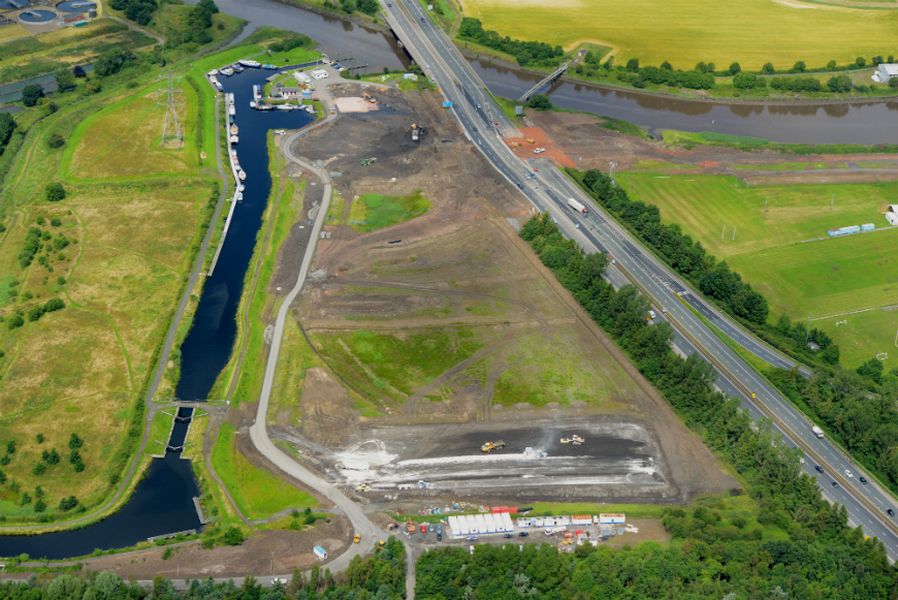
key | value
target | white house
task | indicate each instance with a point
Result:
(885, 72)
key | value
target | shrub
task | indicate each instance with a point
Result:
(15, 321)
(748, 81)
(54, 192)
(768, 69)
(735, 68)
(68, 503)
(233, 536)
(799, 67)
(840, 84)
(539, 102)
(55, 141)
(31, 94)
(65, 80)
(75, 442)
(39, 469)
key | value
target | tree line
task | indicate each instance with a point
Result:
(525, 52)
(380, 576)
(839, 399)
(823, 557)
(687, 256)
(712, 277)
(702, 75)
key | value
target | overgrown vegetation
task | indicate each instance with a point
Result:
(379, 576)
(525, 52)
(823, 556)
(683, 253)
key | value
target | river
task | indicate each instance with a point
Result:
(870, 123)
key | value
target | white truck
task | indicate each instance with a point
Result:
(577, 206)
(817, 431)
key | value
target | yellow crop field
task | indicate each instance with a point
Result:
(685, 32)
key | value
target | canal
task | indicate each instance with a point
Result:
(162, 502)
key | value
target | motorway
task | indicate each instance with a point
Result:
(548, 190)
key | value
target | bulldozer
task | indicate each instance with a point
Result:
(490, 446)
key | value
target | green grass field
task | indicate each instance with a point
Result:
(799, 278)
(258, 493)
(35, 55)
(392, 366)
(752, 32)
(370, 212)
(110, 237)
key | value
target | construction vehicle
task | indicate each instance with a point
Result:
(356, 539)
(574, 439)
(531, 141)
(368, 161)
(368, 97)
(490, 446)
(416, 134)
(410, 527)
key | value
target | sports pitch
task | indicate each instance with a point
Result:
(784, 251)
(685, 32)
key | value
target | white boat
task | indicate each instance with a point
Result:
(212, 73)
(241, 187)
(241, 174)
(250, 63)
(235, 139)
(237, 68)
(232, 110)
(252, 104)
(285, 107)
(227, 71)
(217, 85)
(310, 109)
(239, 196)
(234, 130)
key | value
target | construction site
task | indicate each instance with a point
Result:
(449, 365)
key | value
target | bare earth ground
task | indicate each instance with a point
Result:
(462, 267)
(263, 552)
(581, 137)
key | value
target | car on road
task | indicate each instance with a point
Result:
(890, 512)
(834, 484)
(523, 534)
(508, 536)
(471, 538)
(818, 468)
(848, 474)
(862, 479)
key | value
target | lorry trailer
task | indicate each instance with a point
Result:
(577, 206)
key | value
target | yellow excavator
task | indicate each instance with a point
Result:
(490, 446)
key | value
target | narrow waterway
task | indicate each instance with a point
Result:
(162, 502)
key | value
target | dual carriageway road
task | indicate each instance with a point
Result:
(548, 190)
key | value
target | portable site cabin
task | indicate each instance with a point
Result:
(320, 552)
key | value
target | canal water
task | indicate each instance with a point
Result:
(162, 502)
